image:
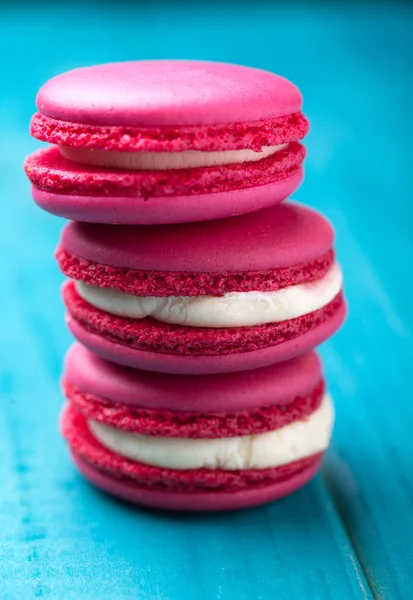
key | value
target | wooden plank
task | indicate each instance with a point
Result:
(368, 198)
(369, 473)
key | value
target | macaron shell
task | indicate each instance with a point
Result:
(206, 425)
(178, 195)
(163, 211)
(48, 170)
(167, 93)
(156, 336)
(184, 283)
(200, 365)
(280, 236)
(276, 384)
(192, 502)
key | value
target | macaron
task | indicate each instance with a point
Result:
(168, 141)
(207, 442)
(210, 297)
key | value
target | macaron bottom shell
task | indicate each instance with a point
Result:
(182, 490)
(119, 210)
(198, 364)
(193, 502)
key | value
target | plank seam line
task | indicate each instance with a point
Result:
(334, 497)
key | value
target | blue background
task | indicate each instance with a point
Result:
(349, 533)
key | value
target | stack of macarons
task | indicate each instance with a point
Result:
(195, 292)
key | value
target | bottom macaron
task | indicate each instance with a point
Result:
(212, 442)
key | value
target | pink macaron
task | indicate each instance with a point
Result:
(207, 442)
(157, 142)
(211, 297)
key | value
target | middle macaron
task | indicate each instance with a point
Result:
(212, 297)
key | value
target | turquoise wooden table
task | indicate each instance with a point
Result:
(349, 533)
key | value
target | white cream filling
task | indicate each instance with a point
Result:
(261, 451)
(237, 309)
(154, 161)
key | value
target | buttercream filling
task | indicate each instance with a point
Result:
(295, 441)
(162, 161)
(235, 309)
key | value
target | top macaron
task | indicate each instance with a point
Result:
(156, 142)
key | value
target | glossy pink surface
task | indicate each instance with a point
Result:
(276, 384)
(167, 93)
(280, 236)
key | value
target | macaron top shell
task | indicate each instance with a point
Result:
(277, 237)
(167, 93)
(274, 385)
(169, 106)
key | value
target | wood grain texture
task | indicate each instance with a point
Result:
(347, 534)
